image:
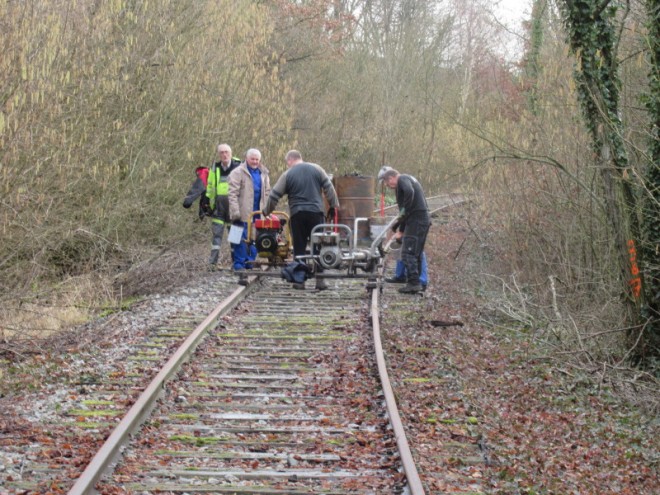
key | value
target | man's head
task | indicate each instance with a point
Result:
(293, 157)
(224, 154)
(253, 157)
(388, 176)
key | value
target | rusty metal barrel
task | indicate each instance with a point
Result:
(356, 200)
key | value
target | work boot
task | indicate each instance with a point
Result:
(298, 286)
(321, 284)
(242, 279)
(411, 289)
(396, 280)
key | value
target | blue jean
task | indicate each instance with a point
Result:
(242, 253)
(400, 270)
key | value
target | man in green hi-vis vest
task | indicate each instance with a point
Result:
(218, 203)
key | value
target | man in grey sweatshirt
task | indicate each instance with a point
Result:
(303, 183)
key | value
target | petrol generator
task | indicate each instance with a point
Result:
(271, 237)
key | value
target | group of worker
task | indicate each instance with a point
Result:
(231, 191)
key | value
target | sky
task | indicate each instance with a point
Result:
(515, 10)
(511, 13)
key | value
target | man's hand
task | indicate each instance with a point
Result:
(238, 223)
(332, 214)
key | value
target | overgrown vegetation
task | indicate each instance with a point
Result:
(573, 173)
(106, 108)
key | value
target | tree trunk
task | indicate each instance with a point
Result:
(591, 33)
(651, 206)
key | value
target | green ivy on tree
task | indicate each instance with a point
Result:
(531, 63)
(592, 38)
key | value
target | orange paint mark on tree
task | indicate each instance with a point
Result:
(636, 281)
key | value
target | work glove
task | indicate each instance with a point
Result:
(238, 223)
(205, 205)
(331, 214)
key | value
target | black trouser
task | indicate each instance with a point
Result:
(302, 224)
(414, 238)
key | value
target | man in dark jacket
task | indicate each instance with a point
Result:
(413, 225)
(303, 183)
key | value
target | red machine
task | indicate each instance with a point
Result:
(271, 236)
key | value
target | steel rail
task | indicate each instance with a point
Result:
(409, 467)
(136, 415)
(455, 198)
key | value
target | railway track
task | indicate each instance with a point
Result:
(436, 204)
(279, 395)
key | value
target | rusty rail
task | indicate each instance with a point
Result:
(409, 467)
(136, 415)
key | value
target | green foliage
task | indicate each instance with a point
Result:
(124, 305)
(86, 413)
(591, 36)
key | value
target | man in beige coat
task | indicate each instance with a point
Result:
(249, 186)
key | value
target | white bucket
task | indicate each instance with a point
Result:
(235, 234)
